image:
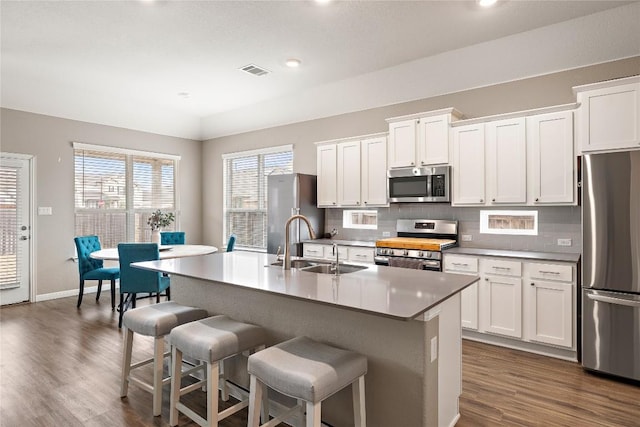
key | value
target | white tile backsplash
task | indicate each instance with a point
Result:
(554, 222)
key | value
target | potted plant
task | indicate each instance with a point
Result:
(158, 220)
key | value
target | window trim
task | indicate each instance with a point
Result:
(126, 151)
(484, 222)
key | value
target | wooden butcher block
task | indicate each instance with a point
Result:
(414, 243)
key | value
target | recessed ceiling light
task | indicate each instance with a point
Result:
(293, 63)
(487, 3)
(184, 95)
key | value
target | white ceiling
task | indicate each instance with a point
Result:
(124, 63)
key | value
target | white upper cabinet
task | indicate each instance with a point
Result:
(402, 144)
(374, 171)
(349, 173)
(420, 139)
(468, 165)
(353, 172)
(527, 160)
(506, 161)
(609, 115)
(327, 175)
(552, 165)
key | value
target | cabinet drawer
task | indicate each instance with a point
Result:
(361, 254)
(501, 267)
(559, 272)
(460, 264)
(313, 251)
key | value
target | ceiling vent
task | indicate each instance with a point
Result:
(254, 70)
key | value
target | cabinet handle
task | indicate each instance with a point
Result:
(412, 163)
(501, 268)
(493, 200)
(481, 201)
(537, 199)
(549, 272)
(357, 203)
(366, 203)
(486, 279)
(533, 284)
(422, 163)
(462, 264)
(334, 203)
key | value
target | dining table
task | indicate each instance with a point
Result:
(166, 252)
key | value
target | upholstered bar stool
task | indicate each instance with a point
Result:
(210, 340)
(155, 321)
(308, 371)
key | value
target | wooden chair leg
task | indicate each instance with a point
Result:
(157, 297)
(313, 414)
(176, 377)
(99, 290)
(158, 363)
(213, 373)
(169, 294)
(126, 361)
(113, 294)
(80, 293)
(256, 391)
(359, 411)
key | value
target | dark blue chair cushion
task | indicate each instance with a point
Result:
(135, 280)
(89, 268)
(172, 237)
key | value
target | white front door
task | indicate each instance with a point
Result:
(15, 227)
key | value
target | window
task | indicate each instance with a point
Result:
(360, 219)
(509, 222)
(117, 189)
(245, 192)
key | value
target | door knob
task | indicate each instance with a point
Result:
(23, 228)
(23, 237)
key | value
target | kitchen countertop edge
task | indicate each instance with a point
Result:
(528, 255)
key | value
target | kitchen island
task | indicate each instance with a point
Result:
(406, 322)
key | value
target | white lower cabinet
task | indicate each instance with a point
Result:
(518, 301)
(345, 253)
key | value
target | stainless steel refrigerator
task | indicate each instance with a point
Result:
(611, 263)
(288, 195)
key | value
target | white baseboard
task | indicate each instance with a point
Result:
(106, 287)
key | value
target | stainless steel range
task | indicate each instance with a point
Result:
(419, 244)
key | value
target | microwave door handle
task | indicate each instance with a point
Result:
(429, 185)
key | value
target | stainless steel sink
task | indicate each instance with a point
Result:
(296, 263)
(329, 269)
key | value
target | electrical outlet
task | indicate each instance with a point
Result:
(45, 210)
(386, 234)
(564, 242)
(467, 237)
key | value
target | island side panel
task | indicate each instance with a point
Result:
(395, 349)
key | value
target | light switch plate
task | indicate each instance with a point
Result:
(467, 237)
(564, 242)
(45, 210)
(434, 348)
(386, 234)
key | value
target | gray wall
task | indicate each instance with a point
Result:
(543, 91)
(49, 140)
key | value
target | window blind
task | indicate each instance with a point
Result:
(9, 214)
(116, 192)
(245, 193)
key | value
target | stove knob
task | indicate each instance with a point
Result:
(406, 252)
(420, 254)
(429, 254)
(383, 251)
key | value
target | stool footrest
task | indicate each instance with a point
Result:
(143, 385)
(233, 409)
(191, 414)
(280, 418)
(192, 387)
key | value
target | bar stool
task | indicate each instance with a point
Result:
(308, 371)
(155, 321)
(210, 340)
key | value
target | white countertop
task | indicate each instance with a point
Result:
(385, 291)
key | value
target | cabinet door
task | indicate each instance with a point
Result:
(507, 161)
(609, 118)
(361, 254)
(349, 173)
(501, 302)
(327, 175)
(469, 307)
(310, 250)
(374, 172)
(402, 144)
(552, 161)
(549, 312)
(433, 140)
(468, 165)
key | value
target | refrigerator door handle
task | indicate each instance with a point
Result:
(618, 300)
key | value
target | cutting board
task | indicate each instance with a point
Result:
(414, 243)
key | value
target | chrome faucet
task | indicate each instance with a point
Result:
(286, 265)
(336, 268)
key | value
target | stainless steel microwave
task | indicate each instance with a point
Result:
(424, 184)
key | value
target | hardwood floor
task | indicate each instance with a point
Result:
(61, 367)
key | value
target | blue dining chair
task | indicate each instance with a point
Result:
(172, 237)
(135, 280)
(231, 242)
(93, 269)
